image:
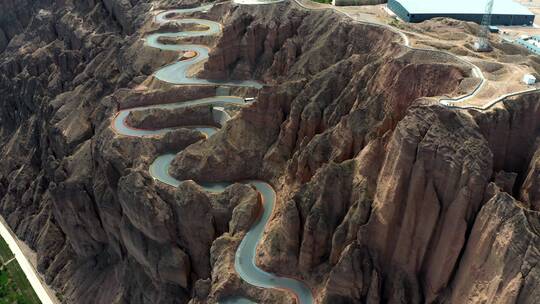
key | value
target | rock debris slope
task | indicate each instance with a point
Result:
(384, 196)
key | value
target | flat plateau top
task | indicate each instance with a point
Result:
(500, 7)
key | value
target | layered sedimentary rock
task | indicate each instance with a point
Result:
(384, 196)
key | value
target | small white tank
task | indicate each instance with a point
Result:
(529, 79)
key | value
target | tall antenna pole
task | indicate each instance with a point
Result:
(482, 43)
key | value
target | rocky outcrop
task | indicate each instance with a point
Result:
(429, 189)
(161, 119)
(201, 219)
(217, 159)
(353, 278)
(530, 193)
(511, 131)
(500, 263)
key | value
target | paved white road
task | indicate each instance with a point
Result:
(26, 266)
(176, 73)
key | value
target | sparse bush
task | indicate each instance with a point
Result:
(394, 23)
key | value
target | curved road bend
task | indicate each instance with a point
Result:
(176, 73)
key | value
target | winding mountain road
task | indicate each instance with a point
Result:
(177, 73)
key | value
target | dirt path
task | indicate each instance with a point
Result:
(467, 101)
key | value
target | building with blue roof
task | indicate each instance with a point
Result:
(531, 43)
(505, 12)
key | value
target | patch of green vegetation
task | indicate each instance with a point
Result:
(322, 1)
(10, 292)
(5, 252)
(395, 23)
(60, 296)
(25, 292)
(14, 287)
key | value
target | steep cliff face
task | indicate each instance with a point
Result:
(429, 189)
(384, 196)
(530, 193)
(500, 263)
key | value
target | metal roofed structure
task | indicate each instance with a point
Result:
(505, 12)
(531, 43)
